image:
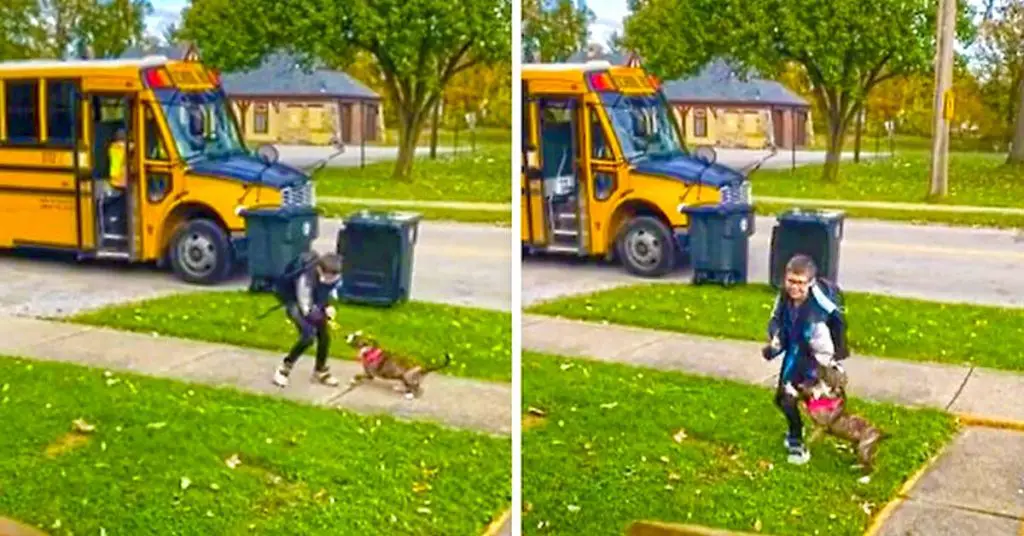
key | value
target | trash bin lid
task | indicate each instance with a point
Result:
(802, 215)
(381, 217)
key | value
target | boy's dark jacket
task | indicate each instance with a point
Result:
(299, 285)
(823, 305)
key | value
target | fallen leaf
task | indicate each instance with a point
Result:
(536, 411)
(103, 446)
(566, 366)
(864, 479)
(209, 513)
(572, 508)
(423, 510)
(757, 525)
(56, 524)
(664, 459)
(674, 476)
(420, 487)
(103, 531)
(609, 405)
(233, 461)
(215, 487)
(82, 427)
(156, 425)
(185, 483)
(679, 436)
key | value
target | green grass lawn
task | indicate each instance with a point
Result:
(882, 326)
(156, 462)
(480, 340)
(448, 138)
(499, 218)
(607, 454)
(974, 179)
(480, 176)
(998, 221)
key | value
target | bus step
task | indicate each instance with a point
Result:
(113, 236)
(566, 232)
(555, 248)
(567, 216)
(113, 255)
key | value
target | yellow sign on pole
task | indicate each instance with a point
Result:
(947, 105)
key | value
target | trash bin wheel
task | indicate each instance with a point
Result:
(645, 247)
(728, 280)
(200, 252)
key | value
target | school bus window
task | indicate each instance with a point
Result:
(158, 184)
(60, 98)
(598, 140)
(22, 111)
(155, 147)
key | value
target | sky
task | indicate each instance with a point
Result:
(164, 13)
(608, 15)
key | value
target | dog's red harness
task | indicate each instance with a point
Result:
(823, 404)
(371, 355)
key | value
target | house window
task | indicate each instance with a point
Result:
(60, 108)
(22, 111)
(261, 118)
(700, 123)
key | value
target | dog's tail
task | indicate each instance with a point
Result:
(447, 361)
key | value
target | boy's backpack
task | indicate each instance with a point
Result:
(836, 320)
(284, 285)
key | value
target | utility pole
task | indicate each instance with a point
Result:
(943, 109)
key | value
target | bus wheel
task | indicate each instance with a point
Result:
(200, 252)
(645, 247)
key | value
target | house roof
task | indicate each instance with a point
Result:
(281, 75)
(172, 52)
(613, 58)
(719, 83)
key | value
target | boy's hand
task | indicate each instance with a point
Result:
(768, 352)
(330, 311)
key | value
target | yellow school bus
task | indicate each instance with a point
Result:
(187, 173)
(605, 172)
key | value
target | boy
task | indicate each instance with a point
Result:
(799, 330)
(305, 292)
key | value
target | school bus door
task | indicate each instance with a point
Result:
(532, 191)
(155, 180)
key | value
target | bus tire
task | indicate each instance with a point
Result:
(645, 247)
(200, 252)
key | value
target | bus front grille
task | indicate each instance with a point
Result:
(300, 195)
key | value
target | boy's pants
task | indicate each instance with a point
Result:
(308, 332)
(788, 400)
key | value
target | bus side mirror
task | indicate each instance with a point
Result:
(268, 154)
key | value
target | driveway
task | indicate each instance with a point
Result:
(306, 155)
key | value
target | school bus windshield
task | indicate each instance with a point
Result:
(643, 126)
(202, 126)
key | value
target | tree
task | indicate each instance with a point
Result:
(846, 47)
(54, 28)
(1001, 40)
(418, 45)
(553, 35)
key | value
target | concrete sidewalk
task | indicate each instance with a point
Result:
(892, 205)
(413, 203)
(456, 402)
(958, 389)
(975, 486)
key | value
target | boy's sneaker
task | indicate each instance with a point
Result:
(326, 378)
(798, 453)
(281, 376)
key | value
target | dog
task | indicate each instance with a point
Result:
(825, 402)
(380, 363)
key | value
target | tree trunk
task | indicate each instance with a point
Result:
(1017, 148)
(409, 125)
(833, 153)
(857, 134)
(433, 129)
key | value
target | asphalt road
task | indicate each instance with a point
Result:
(453, 263)
(929, 262)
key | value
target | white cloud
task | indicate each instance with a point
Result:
(165, 12)
(608, 15)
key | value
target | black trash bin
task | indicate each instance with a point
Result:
(815, 233)
(719, 241)
(377, 256)
(276, 236)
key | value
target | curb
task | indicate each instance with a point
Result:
(970, 419)
(901, 495)
(894, 205)
(498, 522)
(657, 528)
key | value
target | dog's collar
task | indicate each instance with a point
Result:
(371, 355)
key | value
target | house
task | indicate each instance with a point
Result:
(719, 107)
(280, 102)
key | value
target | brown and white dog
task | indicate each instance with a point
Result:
(826, 406)
(380, 363)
